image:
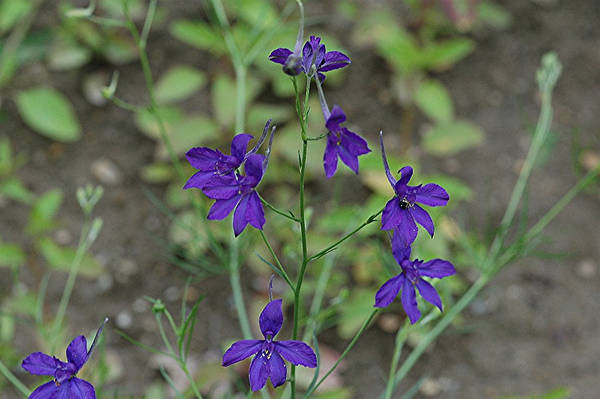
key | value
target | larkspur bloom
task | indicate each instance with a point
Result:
(291, 60)
(211, 163)
(238, 191)
(314, 53)
(402, 212)
(341, 142)
(410, 278)
(269, 354)
(65, 384)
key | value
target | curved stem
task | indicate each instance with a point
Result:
(325, 251)
(14, 380)
(344, 353)
(399, 343)
(279, 265)
(277, 210)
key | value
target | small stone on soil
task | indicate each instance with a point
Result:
(124, 319)
(106, 172)
(587, 268)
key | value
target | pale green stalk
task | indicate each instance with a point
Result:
(14, 380)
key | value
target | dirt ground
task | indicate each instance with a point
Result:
(536, 326)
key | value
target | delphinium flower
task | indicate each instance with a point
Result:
(291, 60)
(411, 277)
(314, 53)
(402, 211)
(64, 384)
(269, 354)
(212, 163)
(341, 142)
(238, 191)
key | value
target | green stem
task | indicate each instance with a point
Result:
(276, 258)
(400, 339)
(344, 353)
(276, 210)
(14, 380)
(369, 220)
(84, 243)
(302, 116)
(183, 366)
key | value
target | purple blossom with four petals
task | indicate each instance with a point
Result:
(211, 163)
(65, 384)
(402, 211)
(269, 354)
(238, 191)
(411, 276)
(341, 142)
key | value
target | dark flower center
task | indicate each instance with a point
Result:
(404, 204)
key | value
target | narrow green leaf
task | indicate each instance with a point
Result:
(198, 34)
(49, 112)
(178, 83)
(434, 100)
(61, 258)
(14, 188)
(11, 11)
(43, 212)
(452, 138)
(11, 255)
(444, 54)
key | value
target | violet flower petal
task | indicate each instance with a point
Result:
(409, 301)
(259, 372)
(400, 251)
(39, 363)
(203, 158)
(199, 180)
(429, 293)
(239, 144)
(222, 207)
(239, 217)
(389, 291)
(254, 166)
(277, 370)
(348, 158)
(406, 174)
(432, 194)
(240, 350)
(334, 60)
(386, 166)
(80, 389)
(271, 318)
(280, 55)
(77, 351)
(336, 118)
(44, 391)
(390, 218)
(255, 214)
(422, 217)
(354, 143)
(221, 187)
(406, 228)
(330, 157)
(297, 353)
(437, 268)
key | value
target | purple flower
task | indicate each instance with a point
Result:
(64, 384)
(268, 362)
(211, 163)
(412, 276)
(291, 60)
(402, 211)
(341, 143)
(313, 53)
(238, 191)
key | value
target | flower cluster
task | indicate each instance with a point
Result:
(64, 383)
(401, 215)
